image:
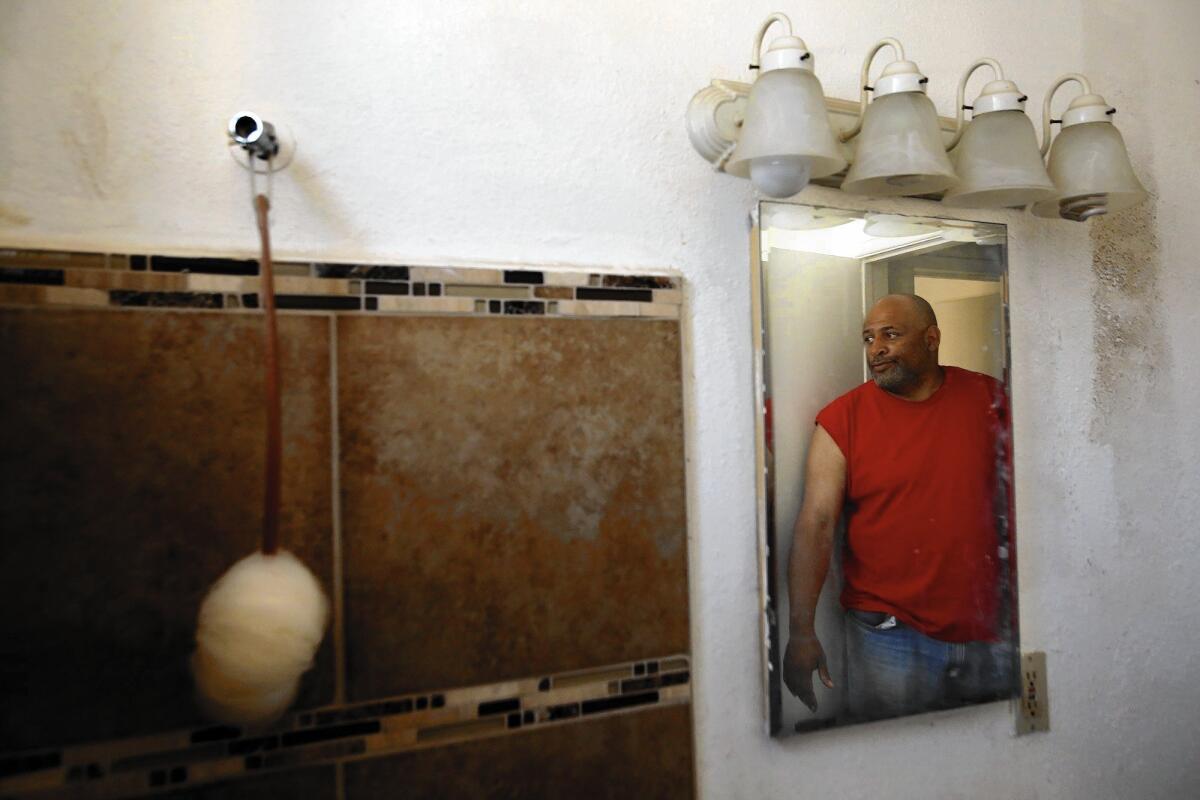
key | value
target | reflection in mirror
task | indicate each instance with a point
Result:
(885, 457)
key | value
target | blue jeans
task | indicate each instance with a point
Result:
(893, 670)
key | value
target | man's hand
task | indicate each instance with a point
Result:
(803, 655)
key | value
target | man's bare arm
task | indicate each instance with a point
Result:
(812, 543)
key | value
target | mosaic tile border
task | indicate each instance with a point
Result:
(151, 765)
(59, 278)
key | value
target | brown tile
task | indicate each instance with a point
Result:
(512, 497)
(314, 783)
(21, 295)
(555, 292)
(432, 305)
(127, 279)
(497, 292)
(645, 755)
(130, 479)
(52, 258)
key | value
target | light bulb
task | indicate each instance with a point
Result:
(780, 176)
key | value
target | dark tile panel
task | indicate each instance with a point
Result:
(313, 783)
(603, 704)
(515, 307)
(639, 281)
(128, 297)
(362, 271)
(131, 461)
(635, 295)
(32, 762)
(385, 287)
(534, 486)
(522, 276)
(317, 302)
(645, 755)
(214, 266)
(499, 706)
(44, 277)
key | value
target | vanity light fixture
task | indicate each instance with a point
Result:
(781, 132)
(786, 138)
(899, 150)
(1088, 161)
(996, 155)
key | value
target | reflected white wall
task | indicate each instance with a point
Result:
(814, 311)
(972, 333)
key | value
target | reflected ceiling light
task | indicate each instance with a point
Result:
(786, 139)
(888, 226)
(996, 157)
(899, 149)
(803, 218)
(1088, 161)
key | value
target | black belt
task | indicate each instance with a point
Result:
(876, 619)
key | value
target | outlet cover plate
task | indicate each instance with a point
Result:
(1033, 713)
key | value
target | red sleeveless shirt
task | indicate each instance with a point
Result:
(921, 500)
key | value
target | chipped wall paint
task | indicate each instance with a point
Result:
(500, 132)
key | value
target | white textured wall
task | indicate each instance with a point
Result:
(551, 132)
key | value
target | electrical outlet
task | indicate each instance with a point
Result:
(1034, 712)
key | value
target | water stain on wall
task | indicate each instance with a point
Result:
(1130, 346)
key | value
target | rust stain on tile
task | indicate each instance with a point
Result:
(130, 479)
(513, 497)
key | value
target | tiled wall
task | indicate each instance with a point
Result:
(483, 467)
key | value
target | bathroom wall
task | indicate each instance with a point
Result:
(493, 499)
(470, 132)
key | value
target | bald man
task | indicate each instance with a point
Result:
(914, 457)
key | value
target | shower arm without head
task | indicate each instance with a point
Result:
(257, 137)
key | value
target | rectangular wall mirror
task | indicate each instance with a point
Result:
(886, 532)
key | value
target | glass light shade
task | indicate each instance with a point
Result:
(785, 122)
(1090, 159)
(999, 164)
(900, 150)
(780, 176)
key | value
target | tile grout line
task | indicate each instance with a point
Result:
(339, 637)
